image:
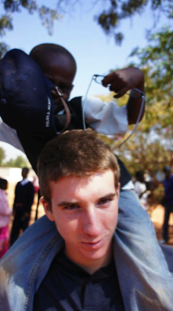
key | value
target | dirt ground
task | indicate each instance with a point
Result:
(157, 219)
(156, 215)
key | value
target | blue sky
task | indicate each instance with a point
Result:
(80, 34)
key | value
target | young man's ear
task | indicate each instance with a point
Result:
(47, 208)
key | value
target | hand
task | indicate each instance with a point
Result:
(121, 81)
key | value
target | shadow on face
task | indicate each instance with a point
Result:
(60, 70)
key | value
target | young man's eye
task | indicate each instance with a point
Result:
(71, 207)
(105, 201)
(65, 87)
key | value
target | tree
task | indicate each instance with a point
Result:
(141, 152)
(113, 12)
(47, 15)
(151, 145)
(21, 162)
(116, 11)
(9, 163)
(18, 162)
(2, 155)
(156, 62)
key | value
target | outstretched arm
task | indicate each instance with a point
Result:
(121, 81)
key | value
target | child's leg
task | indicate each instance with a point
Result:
(144, 277)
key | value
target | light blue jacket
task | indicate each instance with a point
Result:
(25, 265)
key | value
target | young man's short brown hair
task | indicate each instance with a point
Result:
(77, 153)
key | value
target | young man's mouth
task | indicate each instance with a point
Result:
(94, 244)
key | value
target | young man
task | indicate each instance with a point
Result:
(27, 93)
(23, 200)
(69, 259)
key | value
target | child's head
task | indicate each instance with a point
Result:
(140, 176)
(3, 184)
(58, 65)
(74, 153)
(25, 172)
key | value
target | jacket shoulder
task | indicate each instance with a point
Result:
(168, 253)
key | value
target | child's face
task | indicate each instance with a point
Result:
(61, 71)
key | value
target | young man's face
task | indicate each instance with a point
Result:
(85, 211)
(61, 71)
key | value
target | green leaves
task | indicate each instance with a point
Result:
(3, 49)
(151, 146)
(156, 62)
(109, 19)
(16, 5)
(2, 155)
(47, 15)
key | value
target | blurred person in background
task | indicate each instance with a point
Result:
(24, 196)
(141, 189)
(167, 201)
(5, 213)
(37, 193)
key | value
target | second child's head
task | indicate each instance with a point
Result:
(59, 66)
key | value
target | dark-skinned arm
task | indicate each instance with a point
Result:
(120, 82)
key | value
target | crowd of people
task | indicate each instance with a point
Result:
(95, 229)
(17, 217)
(19, 214)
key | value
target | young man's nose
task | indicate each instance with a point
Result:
(91, 222)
